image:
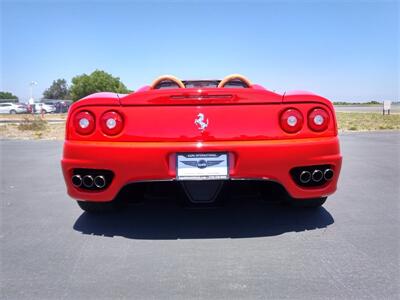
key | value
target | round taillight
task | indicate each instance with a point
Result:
(84, 122)
(318, 119)
(291, 120)
(111, 123)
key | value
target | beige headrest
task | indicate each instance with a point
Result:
(169, 78)
(233, 77)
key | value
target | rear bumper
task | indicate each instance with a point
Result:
(153, 161)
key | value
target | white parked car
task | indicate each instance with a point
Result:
(13, 108)
(46, 108)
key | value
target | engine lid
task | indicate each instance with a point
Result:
(193, 96)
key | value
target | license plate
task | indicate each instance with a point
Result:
(201, 166)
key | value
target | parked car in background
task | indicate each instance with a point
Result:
(45, 108)
(61, 106)
(24, 106)
(13, 108)
(64, 106)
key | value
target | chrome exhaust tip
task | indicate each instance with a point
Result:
(87, 181)
(305, 177)
(100, 181)
(76, 180)
(328, 174)
(317, 175)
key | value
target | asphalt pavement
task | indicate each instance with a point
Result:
(350, 248)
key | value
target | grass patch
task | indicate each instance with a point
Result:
(367, 121)
(35, 124)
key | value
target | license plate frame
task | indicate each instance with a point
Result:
(202, 166)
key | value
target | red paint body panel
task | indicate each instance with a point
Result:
(156, 161)
(226, 123)
(160, 123)
(193, 96)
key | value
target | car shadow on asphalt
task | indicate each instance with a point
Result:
(155, 220)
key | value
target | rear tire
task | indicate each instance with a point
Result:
(13, 112)
(98, 207)
(308, 203)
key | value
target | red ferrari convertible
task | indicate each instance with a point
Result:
(203, 137)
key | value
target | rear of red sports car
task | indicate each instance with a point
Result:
(201, 136)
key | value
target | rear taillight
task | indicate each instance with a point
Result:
(318, 119)
(111, 123)
(291, 120)
(84, 122)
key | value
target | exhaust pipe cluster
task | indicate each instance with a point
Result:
(89, 181)
(315, 176)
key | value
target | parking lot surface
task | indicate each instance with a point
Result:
(50, 249)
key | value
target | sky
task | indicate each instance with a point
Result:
(342, 50)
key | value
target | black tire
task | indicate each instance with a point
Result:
(44, 111)
(13, 112)
(98, 207)
(308, 203)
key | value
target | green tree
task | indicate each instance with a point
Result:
(373, 102)
(98, 81)
(57, 90)
(7, 95)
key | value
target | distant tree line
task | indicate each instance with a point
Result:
(99, 81)
(355, 103)
(8, 96)
(58, 90)
(84, 85)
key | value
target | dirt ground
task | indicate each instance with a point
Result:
(47, 130)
